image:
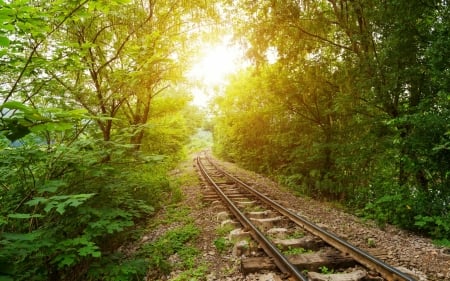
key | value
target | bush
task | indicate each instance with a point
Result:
(65, 212)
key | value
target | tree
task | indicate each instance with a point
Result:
(362, 85)
(69, 73)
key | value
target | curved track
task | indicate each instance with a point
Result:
(223, 182)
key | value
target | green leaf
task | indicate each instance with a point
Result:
(76, 113)
(60, 202)
(3, 221)
(22, 236)
(16, 105)
(61, 208)
(52, 127)
(36, 201)
(4, 41)
(90, 249)
(17, 133)
(96, 254)
(24, 216)
(66, 260)
(51, 186)
(50, 205)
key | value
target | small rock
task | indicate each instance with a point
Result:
(278, 232)
(240, 248)
(411, 273)
(238, 234)
(222, 216)
(229, 222)
(351, 276)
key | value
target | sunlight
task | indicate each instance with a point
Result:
(215, 63)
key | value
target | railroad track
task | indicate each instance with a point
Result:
(296, 246)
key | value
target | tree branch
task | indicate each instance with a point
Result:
(34, 50)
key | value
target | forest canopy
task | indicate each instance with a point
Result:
(354, 108)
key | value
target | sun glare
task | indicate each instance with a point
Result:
(211, 70)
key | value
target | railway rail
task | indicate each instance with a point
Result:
(238, 196)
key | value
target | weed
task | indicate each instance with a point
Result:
(371, 243)
(222, 244)
(193, 274)
(188, 256)
(228, 270)
(296, 234)
(177, 213)
(224, 230)
(186, 179)
(442, 242)
(173, 241)
(296, 251)
(326, 270)
(254, 208)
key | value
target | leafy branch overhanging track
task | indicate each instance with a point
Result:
(388, 272)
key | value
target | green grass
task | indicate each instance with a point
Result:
(175, 241)
(177, 213)
(442, 243)
(178, 241)
(193, 274)
(224, 230)
(254, 208)
(326, 270)
(222, 244)
(296, 251)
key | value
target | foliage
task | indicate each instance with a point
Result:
(224, 230)
(355, 108)
(222, 244)
(295, 251)
(437, 226)
(295, 235)
(196, 273)
(326, 270)
(174, 241)
(442, 242)
(86, 133)
(105, 200)
(200, 141)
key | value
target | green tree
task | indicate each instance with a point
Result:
(363, 85)
(72, 193)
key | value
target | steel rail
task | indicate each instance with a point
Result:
(280, 260)
(388, 272)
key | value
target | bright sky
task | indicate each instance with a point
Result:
(215, 63)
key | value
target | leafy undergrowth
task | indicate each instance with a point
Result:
(173, 253)
(442, 242)
(65, 215)
(174, 250)
(423, 212)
